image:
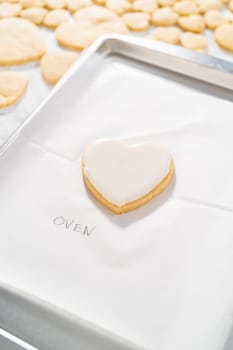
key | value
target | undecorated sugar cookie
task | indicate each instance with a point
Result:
(137, 21)
(170, 35)
(186, 7)
(207, 5)
(164, 3)
(147, 6)
(56, 17)
(194, 41)
(9, 10)
(54, 65)
(192, 23)
(118, 6)
(224, 36)
(164, 17)
(231, 6)
(20, 41)
(82, 34)
(10, 1)
(34, 14)
(55, 4)
(99, 2)
(75, 5)
(214, 19)
(12, 87)
(32, 3)
(125, 176)
(95, 14)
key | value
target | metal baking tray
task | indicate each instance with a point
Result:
(159, 276)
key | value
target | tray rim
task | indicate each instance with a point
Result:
(17, 306)
(202, 65)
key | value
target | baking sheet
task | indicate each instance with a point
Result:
(12, 118)
(159, 276)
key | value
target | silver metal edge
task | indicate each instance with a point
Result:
(179, 60)
(47, 327)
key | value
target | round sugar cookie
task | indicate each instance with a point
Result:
(82, 34)
(75, 5)
(207, 5)
(55, 4)
(214, 19)
(20, 41)
(137, 21)
(192, 23)
(118, 6)
(32, 3)
(10, 1)
(9, 10)
(186, 7)
(169, 35)
(124, 176)
(34, 14)
(12, 87)
(147, 6)
(56, 17)
(164, 17)
(194, 41)
(95, 14)
(54, 65)
(99, 2)
(224, 36)
(231, 6)
(165, 3)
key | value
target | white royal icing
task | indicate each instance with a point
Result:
(123, 172)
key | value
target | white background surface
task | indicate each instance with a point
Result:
(160, 276)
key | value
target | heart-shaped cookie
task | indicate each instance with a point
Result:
(124, 176)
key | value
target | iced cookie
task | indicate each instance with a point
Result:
(55, 4)
(194, 41)
(214, 19)
(32, 3)
(147, 6)
(9, 10)
(192, 23)
(20, 41)
(95, 14)
(12, 87)
(207, 5)
(170, 35)
(82, 34)
(54, 65)
(164, 17)
(137, 21)
(56, 17)
(75, 5)
(224, 36)
(123, 176)
(34, 14)
(186, 7)
(118, 6)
